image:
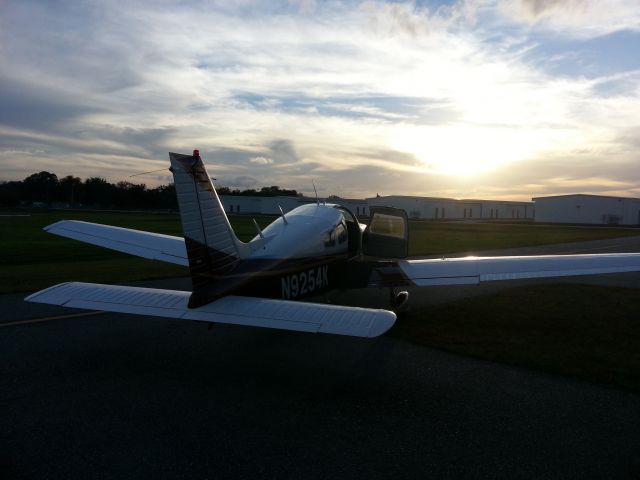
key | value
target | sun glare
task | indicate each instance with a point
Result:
(462, 150)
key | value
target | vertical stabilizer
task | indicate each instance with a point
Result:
(212, 246)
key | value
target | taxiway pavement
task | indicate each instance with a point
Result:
(118, 396)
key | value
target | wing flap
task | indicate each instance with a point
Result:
(250, 311)
(473, 270)
(154, 246)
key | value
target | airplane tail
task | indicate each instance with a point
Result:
(212, 247)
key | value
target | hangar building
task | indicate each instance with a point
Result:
(425, 208)
(259, 205)
(269, 205)
(435, 208)
(593, 209)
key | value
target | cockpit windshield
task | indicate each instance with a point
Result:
(348, 216)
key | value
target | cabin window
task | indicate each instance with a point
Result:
(471, 213)
(238, 208)
(231, 208)
(338, 233)
(329, 238)
(341, 233)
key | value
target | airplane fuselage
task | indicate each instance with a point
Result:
(298, 255)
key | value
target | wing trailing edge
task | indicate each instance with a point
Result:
(154, 246)
(473, 270)
(250, 311)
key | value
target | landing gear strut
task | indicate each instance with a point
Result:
(399, 300)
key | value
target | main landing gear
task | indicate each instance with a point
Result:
(399, 300)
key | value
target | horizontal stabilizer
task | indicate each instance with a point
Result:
(473, 270)
(251, 311)
(154, 246)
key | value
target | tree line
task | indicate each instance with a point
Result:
(46, 189)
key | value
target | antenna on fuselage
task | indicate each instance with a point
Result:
(259, 230)
(314, 189)
(284, 219)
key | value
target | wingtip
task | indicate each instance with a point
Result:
(55, 224)
(386, 319)
(33, 297)
(51, 225)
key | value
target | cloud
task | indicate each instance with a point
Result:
(243, 182)
(305, 7)
(577, 18)
(358, 96)
(261, 160)
(414, 20)
(38, 106)
(283, 151)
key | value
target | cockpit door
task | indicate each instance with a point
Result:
(387, 234)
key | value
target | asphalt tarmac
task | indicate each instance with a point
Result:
(117, 396)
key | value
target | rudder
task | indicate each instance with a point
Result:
(212, 246)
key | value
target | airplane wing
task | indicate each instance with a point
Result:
(473, 270)
(154, 246)
(251, 311)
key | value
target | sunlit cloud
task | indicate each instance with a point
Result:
(579, 18)
(461, 99)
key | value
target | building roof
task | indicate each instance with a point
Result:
(445, 199)
(584, 195)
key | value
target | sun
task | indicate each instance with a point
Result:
(467, 150)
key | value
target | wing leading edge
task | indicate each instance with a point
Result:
(250, 311)
(473, 270)
(154, 246)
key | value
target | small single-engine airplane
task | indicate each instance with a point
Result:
(305, 252)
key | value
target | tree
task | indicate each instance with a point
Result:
(69, 187)
(40, 187)
(97, 191)
(10, 193)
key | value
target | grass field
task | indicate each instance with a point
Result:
(32, 259)
(428, 238)
(586, 331)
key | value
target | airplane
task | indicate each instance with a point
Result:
(306, 252)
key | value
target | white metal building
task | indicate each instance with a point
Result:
(359, 207)
(259, 205)
(592, 209)
(416, 207)
(240, 204)
(452, 209)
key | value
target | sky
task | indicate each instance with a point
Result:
(504, 99)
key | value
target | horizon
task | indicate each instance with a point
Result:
(495, 99)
